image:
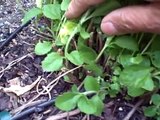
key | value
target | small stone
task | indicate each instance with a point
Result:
(120, 109)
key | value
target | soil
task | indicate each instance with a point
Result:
(28, 69)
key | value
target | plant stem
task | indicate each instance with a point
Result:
(69, 40)
(109, 39)
(83, 19)
(140, 39)
(149, 43)
(89, 92)
(156, 73)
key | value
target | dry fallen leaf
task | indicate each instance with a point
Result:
(17, 89)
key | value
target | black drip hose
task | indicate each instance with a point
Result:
(13, 35)
(35, 109)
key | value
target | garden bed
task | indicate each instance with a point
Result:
(20, 67)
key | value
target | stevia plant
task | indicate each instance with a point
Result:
(109, 65)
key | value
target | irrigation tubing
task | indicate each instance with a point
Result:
(14, 34)
(35, 109)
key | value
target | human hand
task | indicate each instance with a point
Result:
(131, 19)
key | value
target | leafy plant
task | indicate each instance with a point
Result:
(109, 65)
(153, 110)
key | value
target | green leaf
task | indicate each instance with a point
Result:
(4, 115)
(52, 11)
(30, 14)
(67, 101)
(75, 89)
(75, 58)
(156, 99)
(126, 42)
(155, 58)
(66, 30)
(99, 104)
(87, 54)
(127, 60)
(43, 48)
(150, 111)
(137, 77)
(53, 62)
(83, 33)
(115, 86)
(148, 83)
(87, 106)
(64, 5)
(135, 92)
(91, 84)
(96, 69)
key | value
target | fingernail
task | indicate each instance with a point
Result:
(109, 28)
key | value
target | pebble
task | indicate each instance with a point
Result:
(120, 109)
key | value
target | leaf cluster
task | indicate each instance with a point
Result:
(132, 60)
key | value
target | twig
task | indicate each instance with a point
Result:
(14, 62)
(129, 115)
(63, 115)
(49, 87)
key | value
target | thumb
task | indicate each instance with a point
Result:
(133, 19)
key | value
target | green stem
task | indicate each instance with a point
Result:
(149, 43)
(69, 40)
(83, 19)
(109, 39)
(61, 23)
(156, 73)
(89, 92)
(140, 39)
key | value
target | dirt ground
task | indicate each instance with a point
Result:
(19, 65)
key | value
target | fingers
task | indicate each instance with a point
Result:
(133, 19)
(77, 7)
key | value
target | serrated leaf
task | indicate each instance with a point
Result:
(30, 14)
(67, 101)
(91, 84)
(52, 11)
(137, 77)
(64, 5)
(99, 104)
(43, 48)
(127, 60)
(156, 99)
(126, 42)
(75, 58)
(53, 62)
(150, 111)
(4, 115)
(87, 106)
